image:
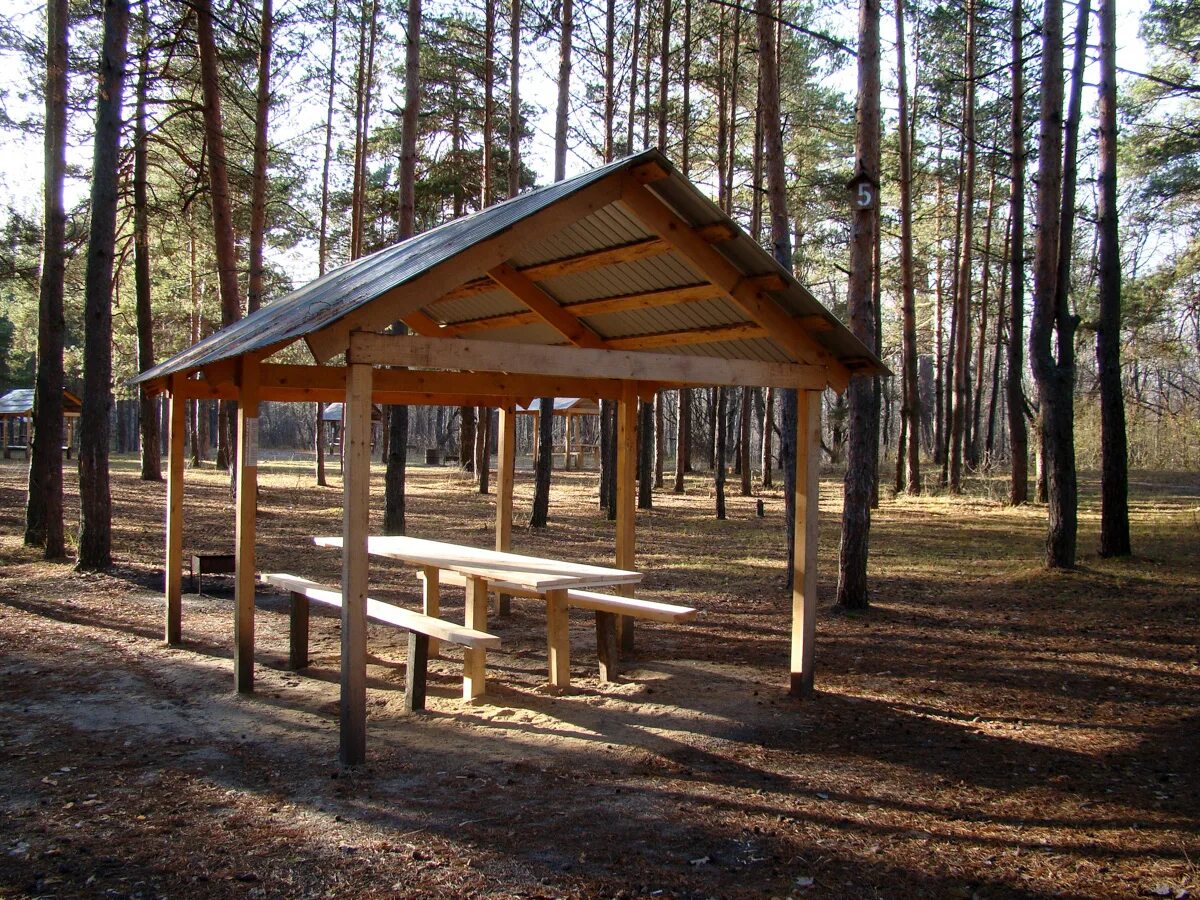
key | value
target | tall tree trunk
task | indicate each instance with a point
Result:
(635, 44)
(44, 508)
(147, 412)
(981, 338)
(1055, 377)
(258, 196)
(222, 215)
(962, 318)
(998, 352)
(781, 247)
(95, 502)
(747, 470)
(397, 459)
(719, 451)
(514, 99)
(768, 425)
(1114, 460)
(1018, 435)
(608, 407)
(683, 439)
(660, 438)
(483, 439)
(540, 515)
(645, 460)
(860, 457)
(466, 438)
(323, 240)
(939, 306)
(910, 406)
(664, 76)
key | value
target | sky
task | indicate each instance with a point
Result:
(21, 155)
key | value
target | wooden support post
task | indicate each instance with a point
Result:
(356, 445)
(298, 633)
(626, 512)
(431, 601)
(246, 505)
(416, 672)
(506, 465)
(804, 570)
(606, 645)
(474, 659)
(558, 639)
(173, 571)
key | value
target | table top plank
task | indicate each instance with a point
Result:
(530, 572)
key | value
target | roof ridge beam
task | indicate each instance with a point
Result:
(741, 289)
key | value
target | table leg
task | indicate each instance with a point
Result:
(432, 604)
(606, 645)
(558, 639)
(298, 633)
(474, 660)
(415, 674)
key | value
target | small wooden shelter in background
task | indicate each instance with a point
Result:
(16, 414)
(572, 411)
(617, 283)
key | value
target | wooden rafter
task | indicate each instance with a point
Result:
(709, 335)
(584, 262)
(754, 301)
(536, 359)
(692, 293)
(545, 306)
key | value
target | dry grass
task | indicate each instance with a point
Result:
(986, 729)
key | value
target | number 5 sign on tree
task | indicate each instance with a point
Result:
(863, 191)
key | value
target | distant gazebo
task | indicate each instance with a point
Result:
(16, 412)
(615, 284)
(572, 410)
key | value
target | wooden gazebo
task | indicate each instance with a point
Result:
(572, 410)
(16, 410)
(615, 284)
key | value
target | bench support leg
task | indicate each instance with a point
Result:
(298, 633)
(475, 660)
(606, 645)
(432, 603)
(417, 671)
(558, 639)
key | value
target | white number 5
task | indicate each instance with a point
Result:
(864, 198)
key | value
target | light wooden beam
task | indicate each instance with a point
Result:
(535, 359)
(545, 306)
(421, 323)
(506, 468)
(246, 506)
(475, 658)
(356, 419)
(584, 262)
(558, 640)
(626, 476)
(710, 335)
(692, 293)
(804, 561)
(173, 573)
(756, 303)
(469, 263)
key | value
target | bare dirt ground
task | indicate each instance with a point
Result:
(986, 730)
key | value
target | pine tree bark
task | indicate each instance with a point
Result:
(44, 506)
(95, 501)
(860, 456)
(323, 233)
(514, 99)
(719, 451)
(1114, 457)
(768, 425)
(645, 449)
(973, 442)
(962, 317)
(258, 195)
(397, 460)
(222, 215)
(910, 408)
(147, 408)
(1018, 434)
(747, 470)
(540, 515)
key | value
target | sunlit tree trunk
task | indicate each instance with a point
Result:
(909, 459)
(719, 451)
(1018, 435)
(44, 507)
(147, 411)
(258, 196)
(95, 501)
(962, 315)
(1114, 485)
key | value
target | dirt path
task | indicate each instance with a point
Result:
(986, 730)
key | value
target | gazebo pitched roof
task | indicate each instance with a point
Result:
(628, 256)
(19, 402)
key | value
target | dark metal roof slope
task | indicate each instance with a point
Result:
(347, 288)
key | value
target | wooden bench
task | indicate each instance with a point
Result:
(606, 606)
(419, 626)
(10, 449)
(210, 564)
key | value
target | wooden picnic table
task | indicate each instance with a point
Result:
(550, 579)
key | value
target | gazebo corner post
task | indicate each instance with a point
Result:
(246, 508)
(804, 564)
(173, 571)
(356, 447)
(627, 412)
(506, 467)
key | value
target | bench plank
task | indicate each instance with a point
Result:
(388, 613)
